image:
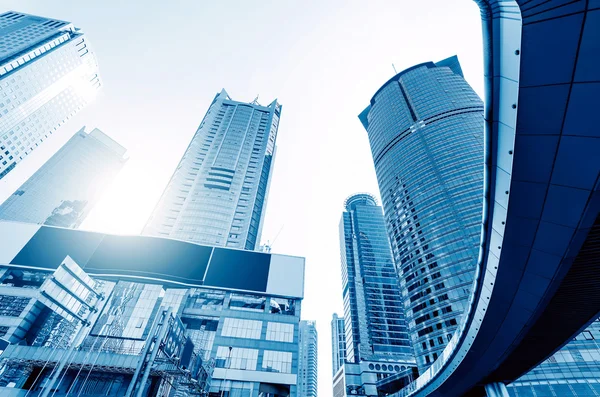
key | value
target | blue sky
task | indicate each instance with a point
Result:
(162, 63)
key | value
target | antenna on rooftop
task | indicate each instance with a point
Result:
(395, 72)
(255, 101)
(268, 245)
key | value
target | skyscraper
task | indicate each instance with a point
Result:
(373, 312)
(218, 192)
(308, 359)
(377, 338)
(48, 73)
(64, 190)
(338, 343)
(425, 128)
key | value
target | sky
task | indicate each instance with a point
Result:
(161, 64)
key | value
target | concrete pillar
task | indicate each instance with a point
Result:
(497, 389)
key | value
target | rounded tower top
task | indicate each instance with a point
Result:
(359, 198)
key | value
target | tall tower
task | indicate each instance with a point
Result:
(308, 359)
(425, 128)
(64, 190)
(218, 193)
(338, 343)
(48, 73)
(373, 312)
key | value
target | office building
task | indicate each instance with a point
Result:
(48, 73)
(377, 340)
(91, 314)
(218, 193)
(425, 128)
(65, 189)
(338, 343)
(308, 360)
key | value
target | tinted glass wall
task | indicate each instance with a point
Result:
(425, 130)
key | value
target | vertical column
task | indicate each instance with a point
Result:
(497, 389)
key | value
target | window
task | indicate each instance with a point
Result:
(238, 358)
(280, 332)
(253, 303)
(276, 361)
(587, 335)
(239, 328)
(12, 306)
(206, 299)
(283, 306)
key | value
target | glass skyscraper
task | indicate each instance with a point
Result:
(48, 73)
(65, 189)
(218, 193)
(373, 312)
(308, 359)
(377, 341)
(338, 343)
(425, 128)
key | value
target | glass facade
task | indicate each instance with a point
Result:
(218, 193)
(64, 190)
(308, 355)
(338, 343)
(573, 371)
(48, 73)
(425, 131)
(373, 312)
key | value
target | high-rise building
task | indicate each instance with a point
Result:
(308, 359)
(425, 128)
(377, 338)
(338, 343)
(89, 314)
(48, 73)
(218, 193)
(64, 190)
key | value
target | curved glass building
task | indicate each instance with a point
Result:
(425, 128)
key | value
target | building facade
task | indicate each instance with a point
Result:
(573, 371)
(48, 73)
(94, 314)
(425, 131)
(65, 189)
(218, 193)
(338, 343)
(376, 333)
(308, 359)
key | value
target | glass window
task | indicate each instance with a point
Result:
(238, 358)
(206, 300)
(12, 306)
(239, 328)
(253, 303)
(280, 332)
(276, 361)
(283, 306)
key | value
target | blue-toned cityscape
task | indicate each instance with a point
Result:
(470, 266)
